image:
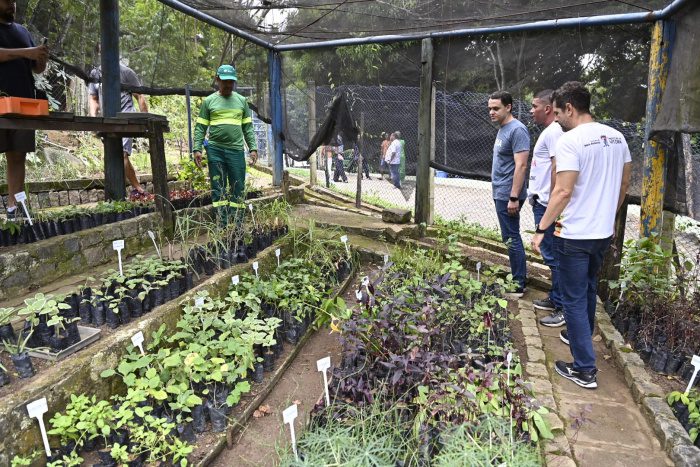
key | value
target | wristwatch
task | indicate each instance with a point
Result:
(538, 230)
(513, 198)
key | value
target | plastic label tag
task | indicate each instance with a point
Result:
(288, 415)
(235, 279)
(323, 365)
(365, 281)
(37, 409)
(153, 239)
(695, 361)
(478, 271)
(21, 198)
(344, 239)
(137, 340)
(358, 294)
(386, 259)
(118, 245)
(255, 268)
(278, 252)
(199, 301)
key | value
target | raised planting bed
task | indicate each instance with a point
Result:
(50, 328)
(429, 375)
(48, 224)
(201, 355)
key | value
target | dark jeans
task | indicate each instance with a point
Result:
(339, 173)
(395, 176)
(365, 165)
(547, 249)
(510, 233)
(579, 263)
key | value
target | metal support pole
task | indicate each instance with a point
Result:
(275, 70)
(311, 107)
(426, 138)
(111, 96)
(358, 162)
(655, 155)
(189, 117)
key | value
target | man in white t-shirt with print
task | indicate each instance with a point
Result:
(593, 165)
(539, 187)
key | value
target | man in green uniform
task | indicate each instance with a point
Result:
(227, 116)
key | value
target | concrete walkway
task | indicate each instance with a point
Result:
(612, 430)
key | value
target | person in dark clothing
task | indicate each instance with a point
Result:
(19, 57)
(339, 173)
(356, 160)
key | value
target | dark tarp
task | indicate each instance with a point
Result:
(338, 121)
(680, 104)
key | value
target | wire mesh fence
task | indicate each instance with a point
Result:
(464, 139)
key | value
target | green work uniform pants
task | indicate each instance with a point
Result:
(227, 175)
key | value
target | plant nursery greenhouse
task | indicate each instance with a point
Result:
(349, 233)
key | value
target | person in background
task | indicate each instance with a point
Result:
(19, 57)
(393, 159)
(402, 164)
(510, 154)
(593, 164)
(541, 181)
(228, 118)
(129, 77)
(382, 150)
(339, 173)
(356, 160)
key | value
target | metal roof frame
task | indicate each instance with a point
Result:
(600, 20)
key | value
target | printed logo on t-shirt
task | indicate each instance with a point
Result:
(605, 141)
(498, 143)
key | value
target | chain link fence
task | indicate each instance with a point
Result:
(464, 138)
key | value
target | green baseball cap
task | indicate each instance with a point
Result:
(227, 72)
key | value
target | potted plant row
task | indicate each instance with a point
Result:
(430, 338)
(656, 310)
(66, 221)
(686, 407)
(187, 382)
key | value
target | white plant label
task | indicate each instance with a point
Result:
(250, 207)
(199, 301)
(386, 259)
(323, 365)
(21, 198)
(695, 361)
(153, 239)
(358, 294)
(137, 340)
(118, 245)
(235, 279)
(37, 409)
(478, 271)
(288, 415)
(278, 252)
(255, 268)
(344, 239)
(365, 281)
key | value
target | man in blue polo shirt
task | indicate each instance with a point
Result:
(19, 57)
(510, 154)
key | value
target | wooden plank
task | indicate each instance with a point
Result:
(160, 175)
(94, 124)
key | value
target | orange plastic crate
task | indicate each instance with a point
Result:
(23, 106)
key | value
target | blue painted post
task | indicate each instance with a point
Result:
(275, 70)
(655, 155)
(111, 96)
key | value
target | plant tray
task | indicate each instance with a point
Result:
(87, 336)
(24, 106)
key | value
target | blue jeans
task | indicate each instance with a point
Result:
(395, 177)
(579, 263)
(547, 250)
(510, 234)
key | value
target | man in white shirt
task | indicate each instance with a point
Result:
(393, 159)
(539, 187)
(593, 165)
